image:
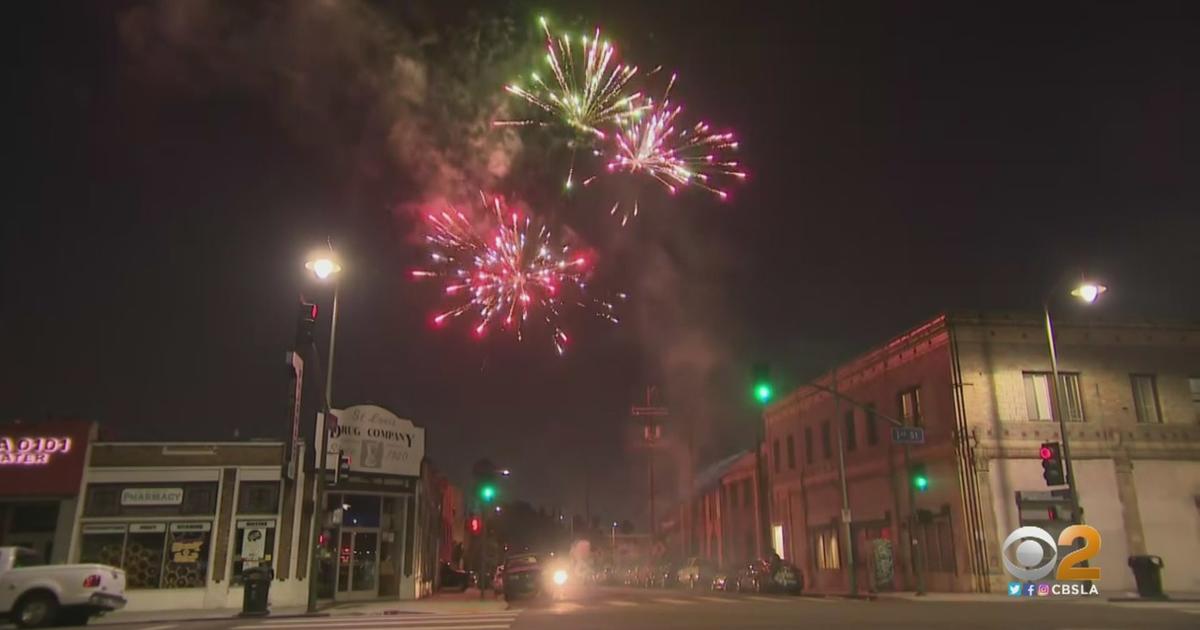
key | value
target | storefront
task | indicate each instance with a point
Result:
(371, 525)
(41, 466)
(185, 519)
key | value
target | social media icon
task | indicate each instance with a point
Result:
(1043, 590)
(1014, 589)
(1031, 589)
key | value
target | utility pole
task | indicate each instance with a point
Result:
(847, 529)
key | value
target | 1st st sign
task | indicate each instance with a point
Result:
(908, 435)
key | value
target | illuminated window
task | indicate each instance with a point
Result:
(777, 541)
(825, 544)
(1145, 398)
(1038, 396)
(910, 407)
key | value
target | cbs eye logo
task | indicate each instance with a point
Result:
(1035, 556)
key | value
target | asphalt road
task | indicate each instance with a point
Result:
(633, 609)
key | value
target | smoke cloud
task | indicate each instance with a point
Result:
(393, 92)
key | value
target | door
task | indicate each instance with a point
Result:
(358, 564)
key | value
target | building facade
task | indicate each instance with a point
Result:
(980, 388)
(41, 469)
(725, 517)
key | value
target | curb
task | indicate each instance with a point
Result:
(234, 616)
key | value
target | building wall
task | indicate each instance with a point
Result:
(1168, 498)
(981, 448)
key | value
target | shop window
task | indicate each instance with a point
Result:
(103, 500)
(143, 557)
(360, 510)
(187, 555)
(153, 555)
(253, 546)
(825, 545)
(258, 497)
(199, 499)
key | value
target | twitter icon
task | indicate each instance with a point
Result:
(1014, 589)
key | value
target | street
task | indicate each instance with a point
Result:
(630, 609)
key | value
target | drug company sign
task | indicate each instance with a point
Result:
(32, 451)
(378, 442)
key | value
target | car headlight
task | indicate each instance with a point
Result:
(560, 577)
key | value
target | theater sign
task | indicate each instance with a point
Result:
(378, 442)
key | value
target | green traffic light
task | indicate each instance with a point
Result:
(487, 493)
(763, 393)
(921, 482)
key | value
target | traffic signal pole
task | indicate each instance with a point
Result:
(1056, 406)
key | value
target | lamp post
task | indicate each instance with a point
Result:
(1087, 292)
(324, 268)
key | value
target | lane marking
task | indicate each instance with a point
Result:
(671, 600)
(419, 621)
(719, 600)
(620, 602)
(760, 598)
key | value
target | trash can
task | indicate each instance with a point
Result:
(1147, 570)
(256, 586)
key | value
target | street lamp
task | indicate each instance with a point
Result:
(324, 267)
(1087, 292)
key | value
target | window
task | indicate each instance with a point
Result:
(808, 445)
(777, 541)
(825, 546)
(152, 554)
(775, 454)
(1145, 398)
(910, 407)
(253, 545)
(850, 436)
(791, 452)
(1038, 396)
(872, 426)
(1194, 386)
(826, 445)
(258, 497)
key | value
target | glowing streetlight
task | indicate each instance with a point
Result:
(1088, 291)
(322, 268)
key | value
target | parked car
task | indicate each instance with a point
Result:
(696, 573)
(36, 595)
(453, 579)
(762, 576)
(723, 581)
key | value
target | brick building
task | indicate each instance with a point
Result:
(725, 513)
(979, 386)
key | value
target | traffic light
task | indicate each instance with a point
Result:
(763, 390)
(343, 468)
(475, 525)
(487, 492)
(1052, 464)
(306, 320)
(918, 477)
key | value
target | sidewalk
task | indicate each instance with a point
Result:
(466, 602)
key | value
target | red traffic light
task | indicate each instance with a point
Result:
(475, 525)
(1046, 453)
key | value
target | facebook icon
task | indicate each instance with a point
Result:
(1031, 589)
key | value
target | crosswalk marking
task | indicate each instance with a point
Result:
(414, 621)
(567, 606)
(671, 600)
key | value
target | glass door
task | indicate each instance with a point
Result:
(358, 564)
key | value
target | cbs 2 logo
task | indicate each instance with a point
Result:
(1031, 552)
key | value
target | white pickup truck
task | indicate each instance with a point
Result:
(36, 595)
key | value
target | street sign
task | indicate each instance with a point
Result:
(908, 435)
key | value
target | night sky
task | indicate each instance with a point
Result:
(172, 164)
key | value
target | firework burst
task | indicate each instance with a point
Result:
(652, 142)
(585, 93)
(516, 273)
